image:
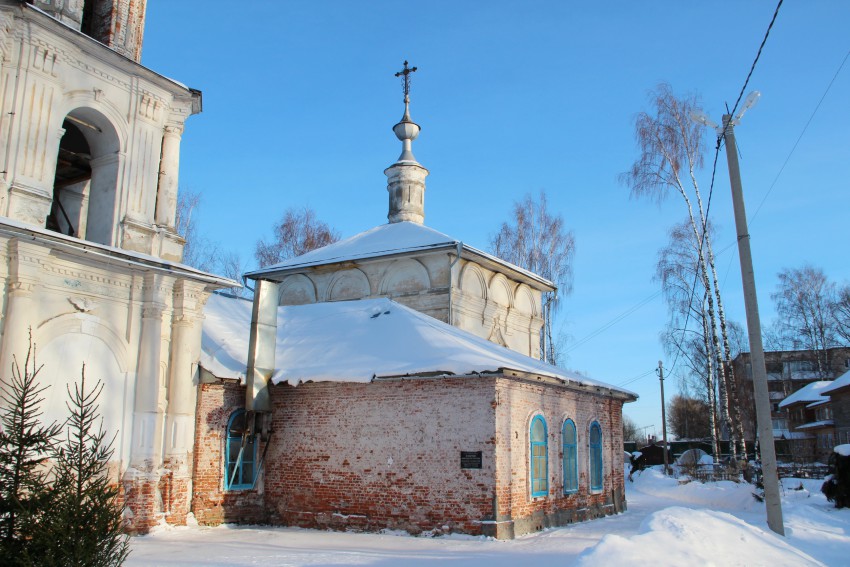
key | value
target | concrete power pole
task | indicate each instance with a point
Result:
(765, 426)
(663, 416)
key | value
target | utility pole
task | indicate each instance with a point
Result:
(765, 427)
(663, 415)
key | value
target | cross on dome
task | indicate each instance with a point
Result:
(405, 80)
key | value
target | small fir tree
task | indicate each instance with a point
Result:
(25, 445)
(85, 527)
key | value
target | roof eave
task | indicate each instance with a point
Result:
(78, 247)
(277, 274)
(520, 274)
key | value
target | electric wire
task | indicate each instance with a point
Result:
(613, 321)
(800, 137)
(719, 144)
(720, 138)
(636, 378)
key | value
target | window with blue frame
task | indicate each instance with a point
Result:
(239, 461)
(570, 457)
(595, 456)
(539, 457)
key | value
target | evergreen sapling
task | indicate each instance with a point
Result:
(85, 526)
(25, 445)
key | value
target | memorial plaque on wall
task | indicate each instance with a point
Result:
(470, 459)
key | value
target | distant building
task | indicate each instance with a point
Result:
(787, 372)
(810, 422)
(839, 394)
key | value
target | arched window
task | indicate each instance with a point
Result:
(85, 183)
(239, 459)
(570, 457)
(539, 457)
(595, 456)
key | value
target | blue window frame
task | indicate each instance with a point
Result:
(539, 457)
(570, 457)
(239, 470)
(595, 456)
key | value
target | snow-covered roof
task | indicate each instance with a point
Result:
(387, 240)
(356, 341)
(841, 382)
(807, 394)
(785, 434)
(816, 424)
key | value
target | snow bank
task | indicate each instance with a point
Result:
(724, 495)
(843, 450)
(684, 536)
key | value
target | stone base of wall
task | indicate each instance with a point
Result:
(509, 529)
(141, 502)
(150, 497)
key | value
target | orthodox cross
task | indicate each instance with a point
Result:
(405, 79)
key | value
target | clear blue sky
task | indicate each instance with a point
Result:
(514, 97)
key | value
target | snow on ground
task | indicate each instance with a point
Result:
(666, 524)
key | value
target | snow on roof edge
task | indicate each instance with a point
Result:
(359, 340)
(443, 241)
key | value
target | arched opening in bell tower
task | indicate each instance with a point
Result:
(85, 183)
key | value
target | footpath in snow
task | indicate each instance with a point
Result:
(666, 524)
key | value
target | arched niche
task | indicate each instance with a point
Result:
(85, 199)
(472, 281)
(297, 290)
(500, 291)
(524, 301)
(62, 358)
(405, 276)
(348, 284)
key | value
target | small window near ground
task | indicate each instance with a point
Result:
(539, 457)
(570, 457)
(595, 456)
(240, 453)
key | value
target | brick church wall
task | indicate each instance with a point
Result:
(518, 402)
(210, 503)
(386, 454)
(382, 455)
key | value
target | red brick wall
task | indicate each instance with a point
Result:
(210, 503)
(382, 455)
(387, 455)
(518, 402)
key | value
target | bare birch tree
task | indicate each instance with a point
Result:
(538, 240)
(804, 302)
(297, 232)
(671, 150)
(678, 269)
(200, 251)
(841, 313)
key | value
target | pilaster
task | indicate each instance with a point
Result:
(189, 300)
(20, 314)
(141, 481)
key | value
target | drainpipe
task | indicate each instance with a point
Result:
(451, 267)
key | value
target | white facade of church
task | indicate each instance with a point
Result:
(89, 156)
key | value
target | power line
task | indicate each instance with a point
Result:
(614, 321)
(636, 378)
(800, 137)
(721, 136)
(756, 60)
